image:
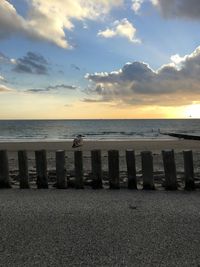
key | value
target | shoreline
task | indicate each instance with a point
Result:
(87, 140)
(122, 145)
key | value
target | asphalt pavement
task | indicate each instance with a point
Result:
(99, 228)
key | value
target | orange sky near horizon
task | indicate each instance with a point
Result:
(52, 107)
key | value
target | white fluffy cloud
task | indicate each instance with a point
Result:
(176, 83)
(122, 28)
(10, 21)
(136, 5)
(48, 19)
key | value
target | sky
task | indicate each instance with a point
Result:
(99, 59)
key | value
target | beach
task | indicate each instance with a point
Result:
(100, 227)
(156, 146)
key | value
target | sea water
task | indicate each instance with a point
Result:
(135, 129)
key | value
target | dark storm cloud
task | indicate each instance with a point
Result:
(32, 63)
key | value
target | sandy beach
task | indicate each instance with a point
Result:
(156, 146)
(138, 145)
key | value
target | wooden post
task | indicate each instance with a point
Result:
(23, 169)
(169, 169)
(147, 170)
(189, 170)
(113, 169)
(78, 162)
(131, 169)
(96, 169)
(60, 169)
(4, 170)
(41, 169)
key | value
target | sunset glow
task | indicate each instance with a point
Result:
(192, 111)
(99, 59)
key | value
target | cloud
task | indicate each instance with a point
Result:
(37, 90)
(89, 100)
(122, 28)
(5, 89)
(136, 83)
(136, 5)
(52, 88)
(47, 20)
(2, 79)
(75, 67)
(3, 58)
(62, 86)
(10, 21)
(6, 60)
(189, 9)
(179, 8)
(32, 63)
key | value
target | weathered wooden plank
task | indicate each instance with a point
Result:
(4, 170)
(78, 162)
(131, 169)
(147, 170)
(60, 170)
(113, 169)
(41, 169)
(189, 170)
(96, 169)
(169, 169)
(23, 169)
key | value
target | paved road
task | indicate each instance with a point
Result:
(99, 228)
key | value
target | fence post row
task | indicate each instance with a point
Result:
(96, 164)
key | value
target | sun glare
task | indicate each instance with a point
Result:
(192, 111)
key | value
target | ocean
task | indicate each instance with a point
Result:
(136, 129)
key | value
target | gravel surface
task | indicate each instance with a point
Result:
(99, 228)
